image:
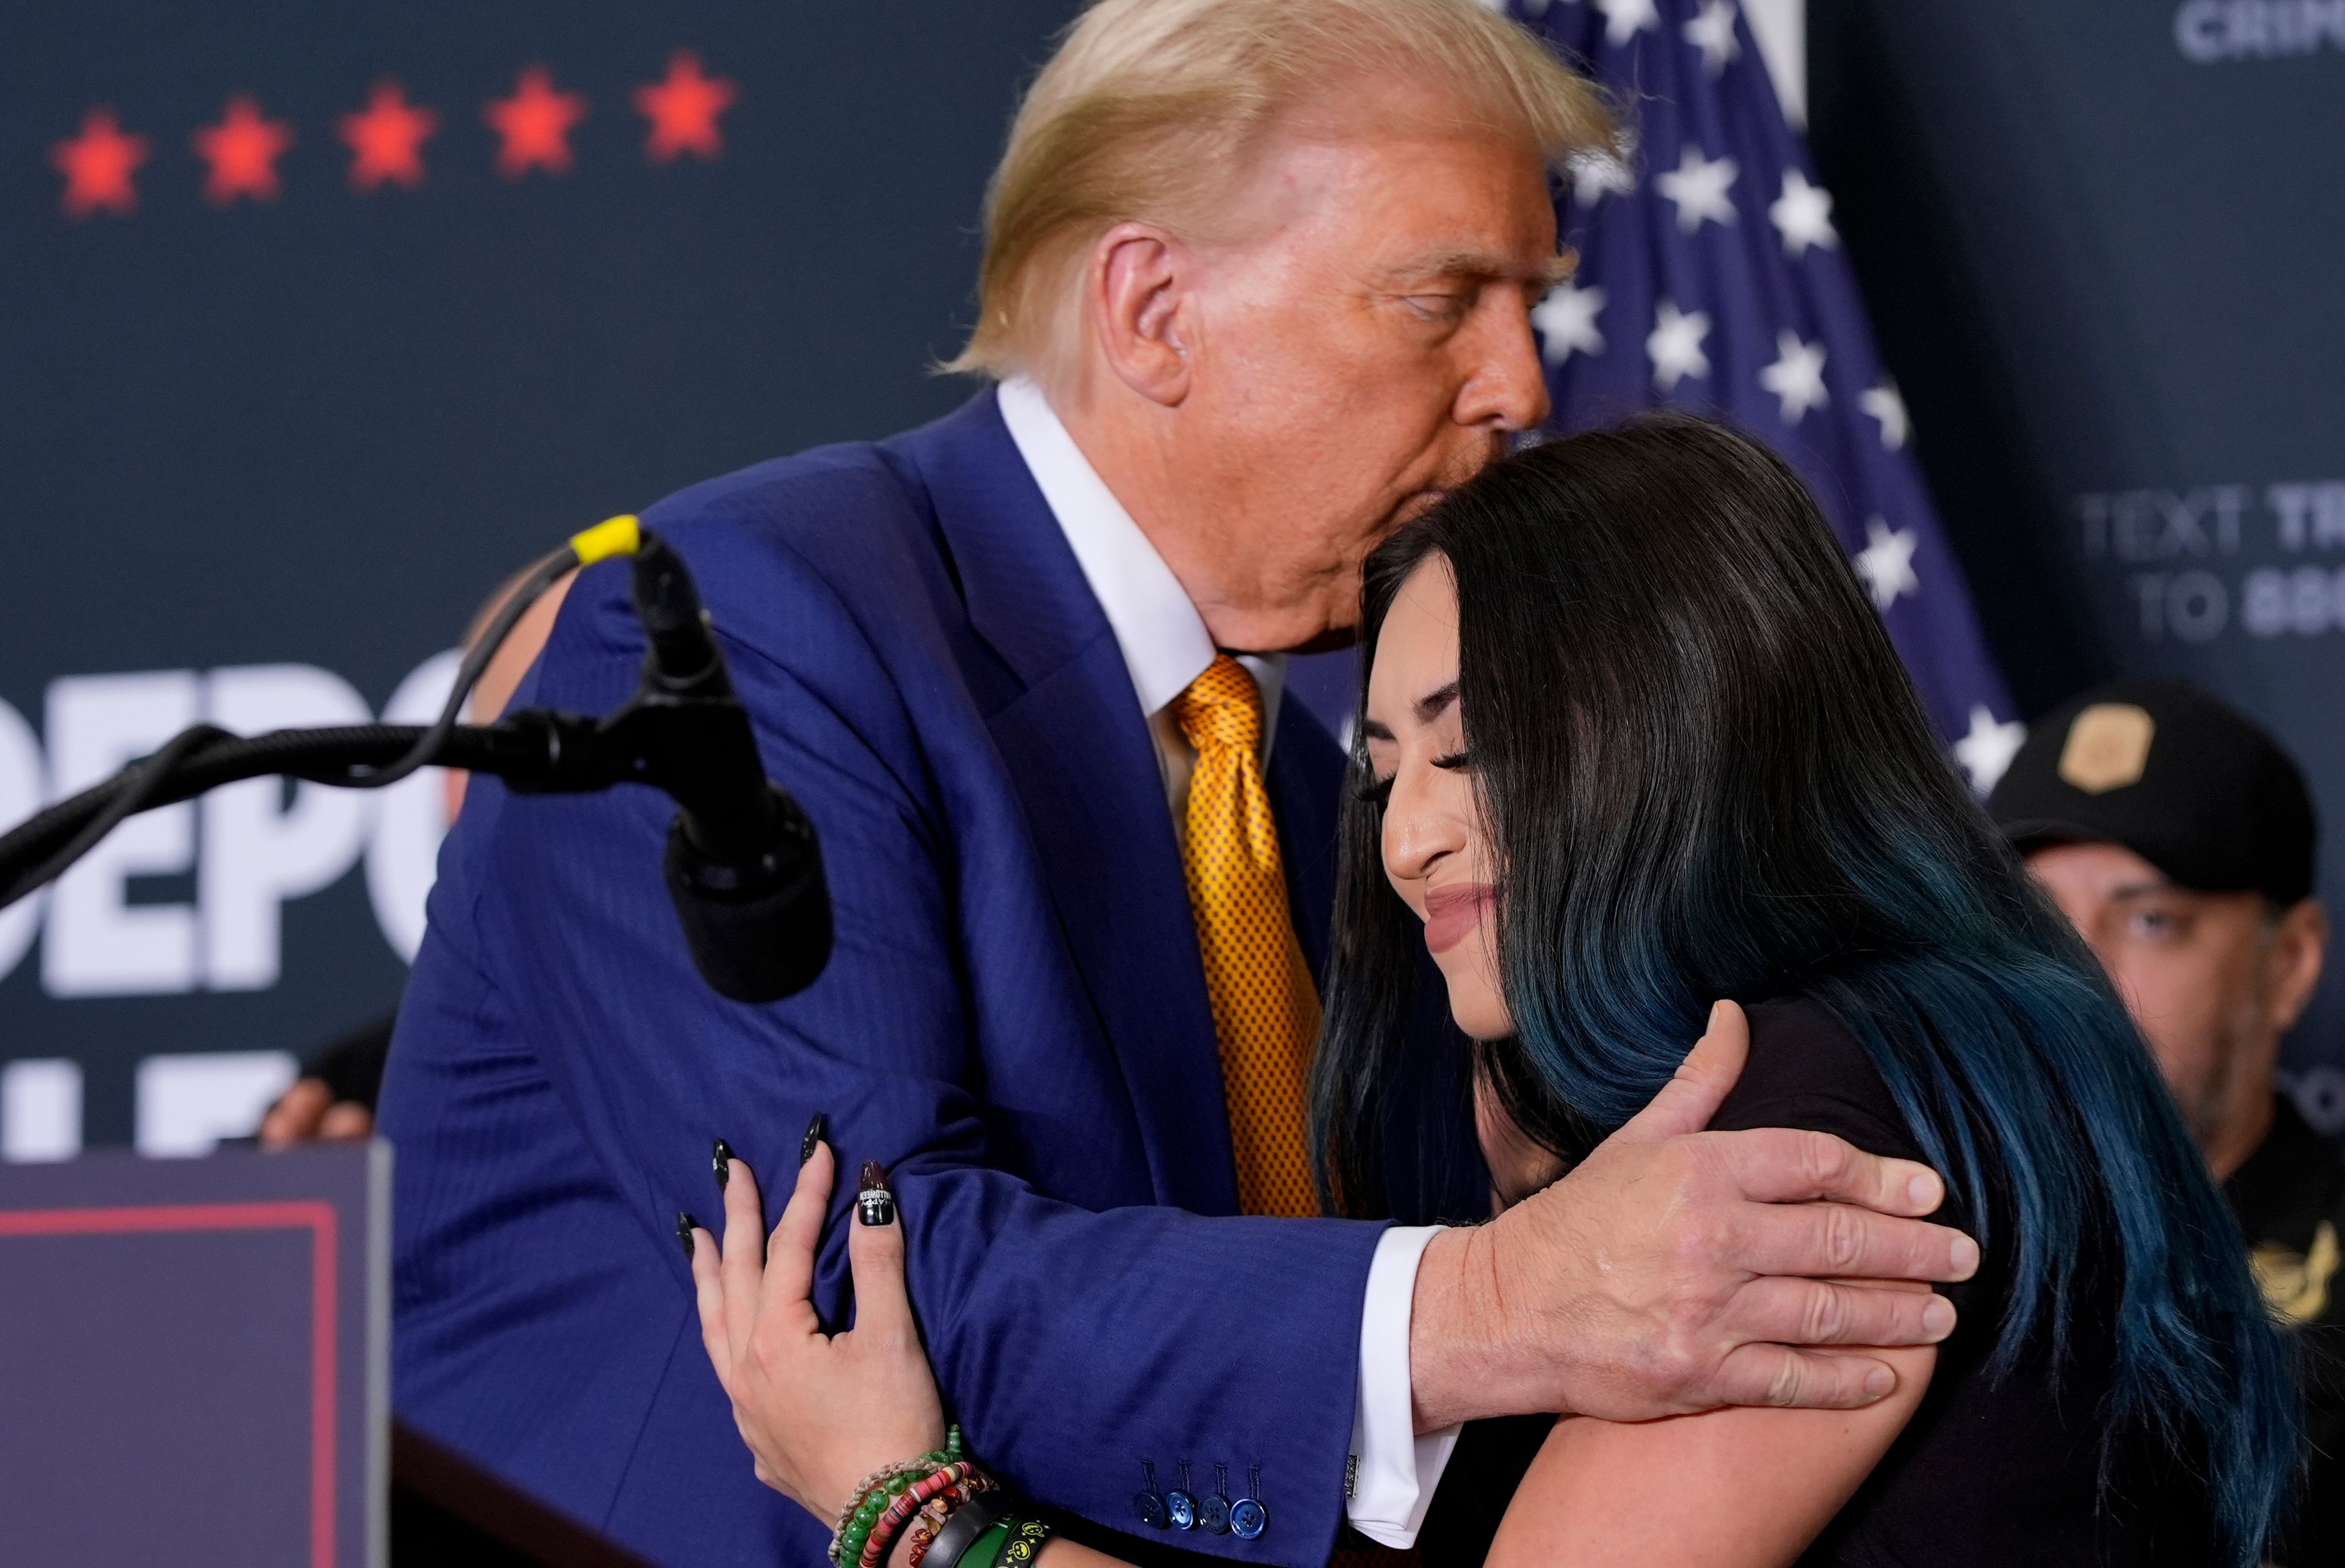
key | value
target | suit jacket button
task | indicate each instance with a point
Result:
(1150, 1506)
(1180, 1509)
(1248, 1519)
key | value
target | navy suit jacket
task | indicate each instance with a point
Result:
(1015, 1020)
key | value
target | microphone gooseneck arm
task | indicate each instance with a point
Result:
(744, 868)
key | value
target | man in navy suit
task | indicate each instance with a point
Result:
(1256, 289)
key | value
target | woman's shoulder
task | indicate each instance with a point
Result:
(1808, 1069)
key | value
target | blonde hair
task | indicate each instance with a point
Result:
(1149, 110)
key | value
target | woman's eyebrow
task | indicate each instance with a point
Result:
(1375, 730)
(1436, 702)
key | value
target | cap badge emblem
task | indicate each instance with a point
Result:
(2108, 747)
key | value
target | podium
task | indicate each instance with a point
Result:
(195, 1370)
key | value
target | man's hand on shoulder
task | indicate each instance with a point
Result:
(1676, 1269)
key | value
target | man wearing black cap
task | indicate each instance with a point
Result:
(2179, 837)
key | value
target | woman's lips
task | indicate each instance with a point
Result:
(1452, 913)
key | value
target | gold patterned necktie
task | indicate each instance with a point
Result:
(1265, 1006)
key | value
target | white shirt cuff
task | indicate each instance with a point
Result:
(1394, 1470)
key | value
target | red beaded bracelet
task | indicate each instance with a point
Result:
(940, 1508)
(874, 1545)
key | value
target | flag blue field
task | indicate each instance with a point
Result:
(1711, 279)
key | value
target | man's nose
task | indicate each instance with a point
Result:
(1507, 390)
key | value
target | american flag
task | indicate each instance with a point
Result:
(1711, 279)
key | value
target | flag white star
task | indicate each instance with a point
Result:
(1624, 19)
(1566, 321)
(1596, 170)
(1797, 376)
(1675, 346)
(1886, 563)
(1699, 186)
(1711, 31)
(1883, 404)
(1803, 213)
(1987, 751)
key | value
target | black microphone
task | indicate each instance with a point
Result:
(743, 867)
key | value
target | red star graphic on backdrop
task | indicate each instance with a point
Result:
(535, 125)
(97, 166)
(242, 149)
(683, 110)
(386, 139)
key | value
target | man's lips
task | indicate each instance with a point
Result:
(1452, 913)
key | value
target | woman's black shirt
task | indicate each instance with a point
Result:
(1990, 1471)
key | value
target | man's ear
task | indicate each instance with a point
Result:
(1142, 311)
(2294, 959)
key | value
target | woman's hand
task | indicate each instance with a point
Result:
(819, 1412)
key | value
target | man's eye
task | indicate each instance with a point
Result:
(2156, 923)
(1439, 307)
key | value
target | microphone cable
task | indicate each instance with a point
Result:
(621, 535)
(90, 815)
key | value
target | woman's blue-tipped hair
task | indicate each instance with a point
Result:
(1706, 775)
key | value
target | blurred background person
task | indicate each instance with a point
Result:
(2180, 838)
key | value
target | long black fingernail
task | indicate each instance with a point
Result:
(875, 1205)
(723, 1163)
(815, 1131)
(683, 1230)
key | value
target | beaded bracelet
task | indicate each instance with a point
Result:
(865, 1504)
(873, 1508)
(954, 1543)
(907, 1503)
(923, 1532)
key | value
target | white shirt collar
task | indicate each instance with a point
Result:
(1164, 640)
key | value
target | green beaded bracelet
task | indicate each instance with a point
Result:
(854, 1528)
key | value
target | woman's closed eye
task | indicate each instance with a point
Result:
(1377, 792)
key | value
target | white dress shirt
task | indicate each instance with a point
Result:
(1166, 646)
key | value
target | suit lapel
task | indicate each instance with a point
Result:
(1077, 749)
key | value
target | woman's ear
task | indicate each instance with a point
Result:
(1141, 306)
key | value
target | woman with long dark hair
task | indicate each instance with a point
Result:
(1631, 740)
